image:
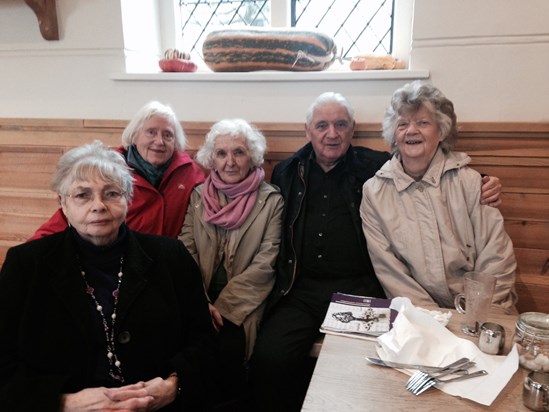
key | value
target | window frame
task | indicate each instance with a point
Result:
(166, 19)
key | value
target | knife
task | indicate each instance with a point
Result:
(398, 365)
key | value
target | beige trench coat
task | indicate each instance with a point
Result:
(250, 257)
(423, 236)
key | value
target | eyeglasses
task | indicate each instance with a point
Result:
(167, 136)
(83, 197)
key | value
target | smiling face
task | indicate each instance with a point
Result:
(330, 132)
(155, 142)
(417, 138)
(96, 209)
(231, 158)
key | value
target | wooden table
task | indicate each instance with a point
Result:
(344, 381)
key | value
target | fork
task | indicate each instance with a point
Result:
(459, 366)
(432, 381)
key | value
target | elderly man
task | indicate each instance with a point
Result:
(323, 249)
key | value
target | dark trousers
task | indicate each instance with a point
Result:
(281, 368)
(231, 373)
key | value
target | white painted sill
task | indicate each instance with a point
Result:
(274, 76)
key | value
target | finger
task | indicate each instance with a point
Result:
(122, 394)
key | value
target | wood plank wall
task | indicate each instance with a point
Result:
(518, 153)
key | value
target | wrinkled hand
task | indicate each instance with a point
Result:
(490, 191)
(129, 398)
(162, 391)
(217, 319)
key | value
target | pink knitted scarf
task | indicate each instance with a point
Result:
(241, 196)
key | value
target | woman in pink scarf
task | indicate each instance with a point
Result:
(232, 228)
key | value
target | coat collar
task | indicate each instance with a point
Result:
(66, 282)
(441, 164)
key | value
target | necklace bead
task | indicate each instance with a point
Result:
(115, 371)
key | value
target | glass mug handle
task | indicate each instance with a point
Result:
(458, 301)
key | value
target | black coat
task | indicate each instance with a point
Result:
(46, 333)
(291, 177)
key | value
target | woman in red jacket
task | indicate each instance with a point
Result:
(153, 145)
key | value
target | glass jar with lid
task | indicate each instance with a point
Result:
(532, 339)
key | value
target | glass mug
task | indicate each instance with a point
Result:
(478, 290)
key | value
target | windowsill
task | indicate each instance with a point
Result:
(274, 76)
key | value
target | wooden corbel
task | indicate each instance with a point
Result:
(46, 12)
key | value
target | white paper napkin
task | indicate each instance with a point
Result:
(416, 337)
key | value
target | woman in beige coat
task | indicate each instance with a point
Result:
(232, 229)
(421, 214)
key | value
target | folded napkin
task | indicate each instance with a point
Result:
(417, 337)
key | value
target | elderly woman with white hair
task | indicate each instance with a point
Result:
(100, 317)
(232, 229)
(153, 144)
(421, 213)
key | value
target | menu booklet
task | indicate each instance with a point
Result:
(358, 316)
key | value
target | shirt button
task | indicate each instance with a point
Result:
(124, 337)
(320, 234)
(420, 188)
(319, 256)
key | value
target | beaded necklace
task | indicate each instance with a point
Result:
(115, 370)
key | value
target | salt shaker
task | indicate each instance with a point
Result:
(535, 392)
(492, 338)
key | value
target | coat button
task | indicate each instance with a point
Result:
(124, 337)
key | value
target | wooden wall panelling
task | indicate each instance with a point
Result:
(518, 153)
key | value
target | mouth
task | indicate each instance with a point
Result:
(99, 222)
(412, 141)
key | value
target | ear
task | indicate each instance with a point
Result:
(62, 204)
(307, 135)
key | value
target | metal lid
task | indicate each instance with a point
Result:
(534, 323)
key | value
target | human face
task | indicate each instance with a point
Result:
(417, 138)
(96, 209)
(330, 132)
(155, 142)
(231, 158)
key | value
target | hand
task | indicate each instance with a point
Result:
(217, 319)
(130, 398)
(162, 392)
(490, 191)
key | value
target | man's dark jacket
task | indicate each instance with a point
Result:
(291, 176)
(46, 326)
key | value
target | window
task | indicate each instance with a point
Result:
(358, 26)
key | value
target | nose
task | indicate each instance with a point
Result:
(332, 130)
(230, 159)
(412, 128)
(97, 203)
(158, 138)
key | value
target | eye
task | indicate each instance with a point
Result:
(167, 136)
(150, 132)
(220, 154)
(112, 195)
(342, 124)
(321, 125)
(239, 152)
(82, 195)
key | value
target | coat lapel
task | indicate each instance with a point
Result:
(136, 271)
(66, 282)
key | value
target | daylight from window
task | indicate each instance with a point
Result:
(357, 26)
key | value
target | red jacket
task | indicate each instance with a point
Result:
(158, 211)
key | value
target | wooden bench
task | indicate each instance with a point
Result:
(518, 153)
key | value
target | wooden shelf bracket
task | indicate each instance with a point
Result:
(46, 12)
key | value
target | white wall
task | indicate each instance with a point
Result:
(489, 57)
